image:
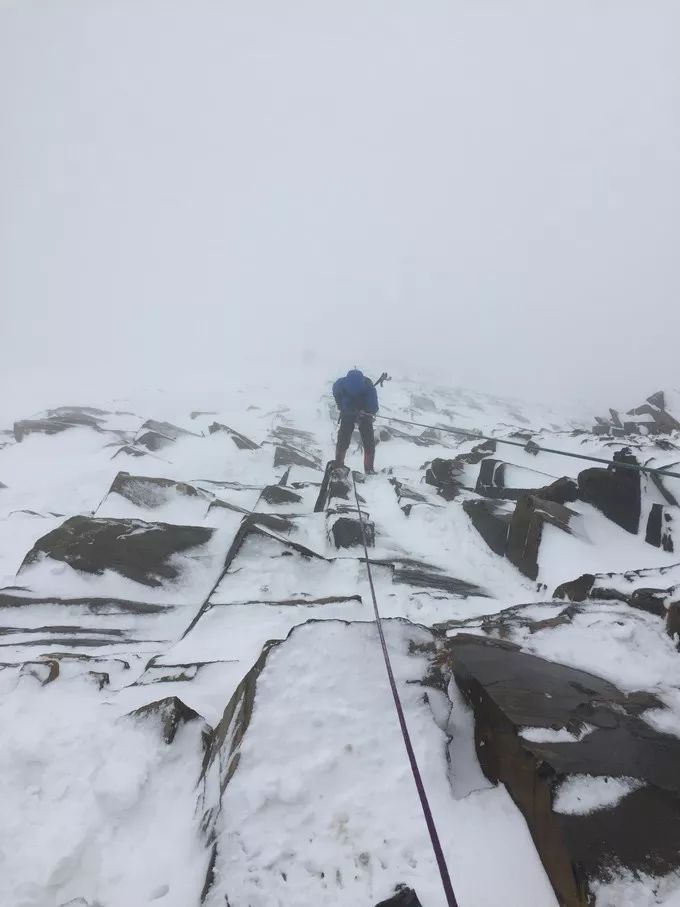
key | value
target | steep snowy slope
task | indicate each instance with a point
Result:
(191, 685)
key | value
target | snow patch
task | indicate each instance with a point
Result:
(580, 795)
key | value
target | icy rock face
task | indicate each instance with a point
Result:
(187, 651)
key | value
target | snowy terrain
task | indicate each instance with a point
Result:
(273, 774)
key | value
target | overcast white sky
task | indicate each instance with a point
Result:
(487, 189)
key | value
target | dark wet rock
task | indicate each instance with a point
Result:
(336, 484)
(75, 641)
(614, 490)
(673, 620)
(561, 491)
(510, 690)
(277, 494)
(2, 485)
(408, 496)
(44, 671)
(504, 480)
(60, 419)
(113, 633)
(194, 414)
(288, 456)
(100, 606)
(660, 422)
(447, 475)
(651, 600)
(167, 429)
(141, 551)
(429, 578)
(576, 590)
(526, 530)
(298, 601)
(666, 493)
(170, 715)
(652, 417)
(156, 435)
(40, 426)
(76, 412)
(227, 737)
(241, 441)
(660, 527)
(444, 476)
(406, 492)
(492, 520)
(273, 521)
(154, 441)
(130, 451)
(402, 897)
(146, 491)
(648, 590)
(478, 453)
(510, 622)
(347, 533)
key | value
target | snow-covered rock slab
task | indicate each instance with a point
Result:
(653, 589)
(125, 558)
(498, 479)
(338, 822)
(138, 497)
(97, 809)
(269, 569)
(31, 626)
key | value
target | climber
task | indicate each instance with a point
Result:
(357, 400)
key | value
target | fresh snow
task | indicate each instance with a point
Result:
(322, 809)
(97, 807)
(583, 794)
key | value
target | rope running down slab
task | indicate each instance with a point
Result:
(427, 812)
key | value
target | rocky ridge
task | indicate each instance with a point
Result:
(188, 650)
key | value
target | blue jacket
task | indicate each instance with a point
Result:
(355, 393)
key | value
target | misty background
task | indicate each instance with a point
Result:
(485, 192)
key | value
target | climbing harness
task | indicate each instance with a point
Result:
(477, 436)
(427, 812)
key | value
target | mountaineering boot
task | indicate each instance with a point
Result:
(368, 464)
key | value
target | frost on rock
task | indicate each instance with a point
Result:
(188, 654)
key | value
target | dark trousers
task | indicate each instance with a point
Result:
(365, 425)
